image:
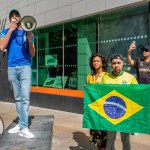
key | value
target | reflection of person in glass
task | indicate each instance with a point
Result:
(98, 66)
(143, 65)
(20, 46)
(118, 76)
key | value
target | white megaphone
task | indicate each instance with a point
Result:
(28, 23)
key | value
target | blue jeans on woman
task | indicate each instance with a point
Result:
(20, 80)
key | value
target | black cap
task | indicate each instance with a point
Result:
(145, 47)
(116, 56)
(14, 11)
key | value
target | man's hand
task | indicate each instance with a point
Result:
(129, 58)
(132, 47)
(13, 24)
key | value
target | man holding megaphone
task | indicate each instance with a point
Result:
(20, 47)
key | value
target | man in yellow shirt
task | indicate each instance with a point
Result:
(118, 76)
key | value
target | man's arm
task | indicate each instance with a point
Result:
(129, 58)
(31, 49)
(5, 38)
(31, 44)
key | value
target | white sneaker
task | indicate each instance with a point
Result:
(26, 133)
(16, 129)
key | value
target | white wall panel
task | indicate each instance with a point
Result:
(117, 3)
(3, 5)
(52, 16)
(44, 6)
(58, 15)
(64, 13)
(67, 2)
(12, 2)
(55, 11)
(62, 3)
(23, 4)
(30, 10)
(40, 19)
(87, 7)
(32, 1)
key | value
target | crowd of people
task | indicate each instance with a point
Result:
(105, 140)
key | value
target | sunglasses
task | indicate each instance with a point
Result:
(145, 50)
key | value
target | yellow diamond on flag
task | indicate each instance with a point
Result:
(115, 107)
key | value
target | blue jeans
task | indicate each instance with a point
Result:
(20, 80)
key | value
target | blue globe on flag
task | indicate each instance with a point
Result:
(114, 107)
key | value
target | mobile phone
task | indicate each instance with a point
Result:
(133, 42)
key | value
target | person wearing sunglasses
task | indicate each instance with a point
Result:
(142, 65)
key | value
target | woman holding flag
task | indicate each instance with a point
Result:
(98, 64)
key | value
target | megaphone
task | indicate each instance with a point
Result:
(28, 23)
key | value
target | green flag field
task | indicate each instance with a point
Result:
(116, 107)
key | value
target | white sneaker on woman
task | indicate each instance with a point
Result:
(26, 133)
(16, 129)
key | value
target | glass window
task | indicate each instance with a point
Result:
(70, 56)
(39, 72)
(54, 58)
(80, 43)
(119, 28)
(49, 54)
(63, 51)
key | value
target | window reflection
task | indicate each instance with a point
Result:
(63, 51)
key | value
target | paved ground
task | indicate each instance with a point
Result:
(41, 126)
(68, 133)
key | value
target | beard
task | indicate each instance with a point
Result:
(117, 71)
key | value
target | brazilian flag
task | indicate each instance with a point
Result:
(116, 107)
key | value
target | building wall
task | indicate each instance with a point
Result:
(48, 12)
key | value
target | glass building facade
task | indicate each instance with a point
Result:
(63, 51)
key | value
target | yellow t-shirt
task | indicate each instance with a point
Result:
(123, 78)
(91, 78)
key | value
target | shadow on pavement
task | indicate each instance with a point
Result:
(83, 142)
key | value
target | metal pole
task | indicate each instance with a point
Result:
(98, 34)
(63, 57)
(37, 62)
(149, 25)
